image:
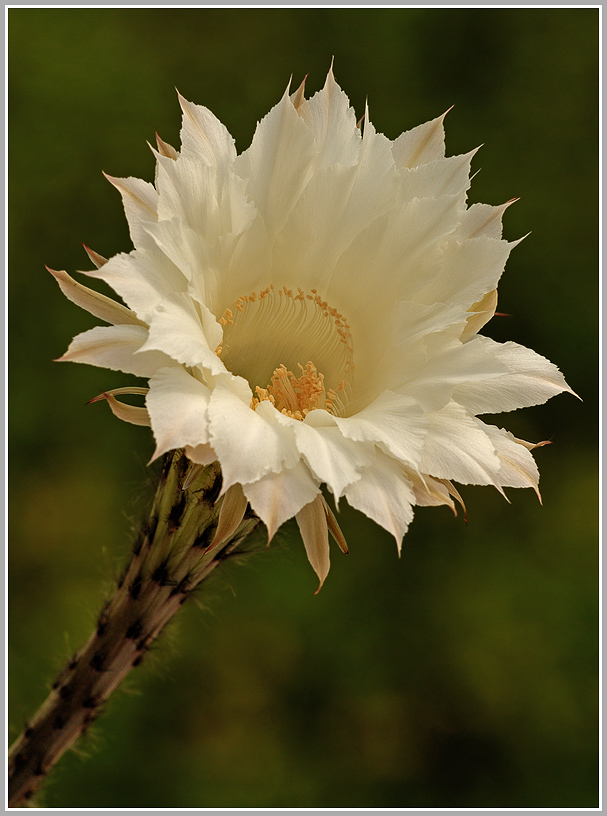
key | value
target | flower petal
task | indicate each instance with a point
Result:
(421, 144)
(457, 447)
(336, 205)
(249, 444)
(201, 454)
(95, 257)
(335, 529)
(134, 414)
(186, 334)
(143, 279)
(518, 467)
(178, 406)
(483, 220)
(97, 304)
(385, 495)
(332, 458)
(394, 422)
(211, 200)
(481, 312)
(140, 201)
(332, 121)
(520, 378)
(277, 497)
(277, 163)
(116, 348)
(312, 523)
(429, 491)
(469, 269)
(233, 507)
(438, 178)
(203, 136)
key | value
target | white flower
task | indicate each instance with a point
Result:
(307, 313)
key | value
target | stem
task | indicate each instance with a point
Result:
(170, 559)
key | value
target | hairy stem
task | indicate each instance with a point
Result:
(170, 559)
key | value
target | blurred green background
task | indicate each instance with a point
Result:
(463, 674)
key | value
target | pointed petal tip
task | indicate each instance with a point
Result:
(97, 259)
(520, 240)
(319, 588)
(113, 180)
(164, 149)
(157, 453)
(572, 392)
(502, 492)
(298, 98)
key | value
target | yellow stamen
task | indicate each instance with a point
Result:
(296, 396)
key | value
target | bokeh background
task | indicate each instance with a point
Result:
(463, 674)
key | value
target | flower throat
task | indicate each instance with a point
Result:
(294, 349)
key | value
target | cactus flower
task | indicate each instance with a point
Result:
(307, 313)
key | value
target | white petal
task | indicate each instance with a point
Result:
(312, 523)
(414, 321)
(332, 458)
(421, 144)
(210, 200)
(431, 369)
(187, 335)
(385, 495)
(249, 444)
(140, 201)
(116, 348)
(277, 163)
(332, 121)
(456, 447)
(438, 178)
(518, 468)
(429, 492)
(177, 404)
(337, 204)
(395, 422)
(165, 149)
(520, 378)
(201, 454)
(99, 305)
(469, 269)
(483, 220)
(203, 136)
(277, 497)
(396, 254)
(143, 279)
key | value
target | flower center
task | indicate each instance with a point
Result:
(267, 336)
(297, 396)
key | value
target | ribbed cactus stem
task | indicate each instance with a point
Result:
(170, 558)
